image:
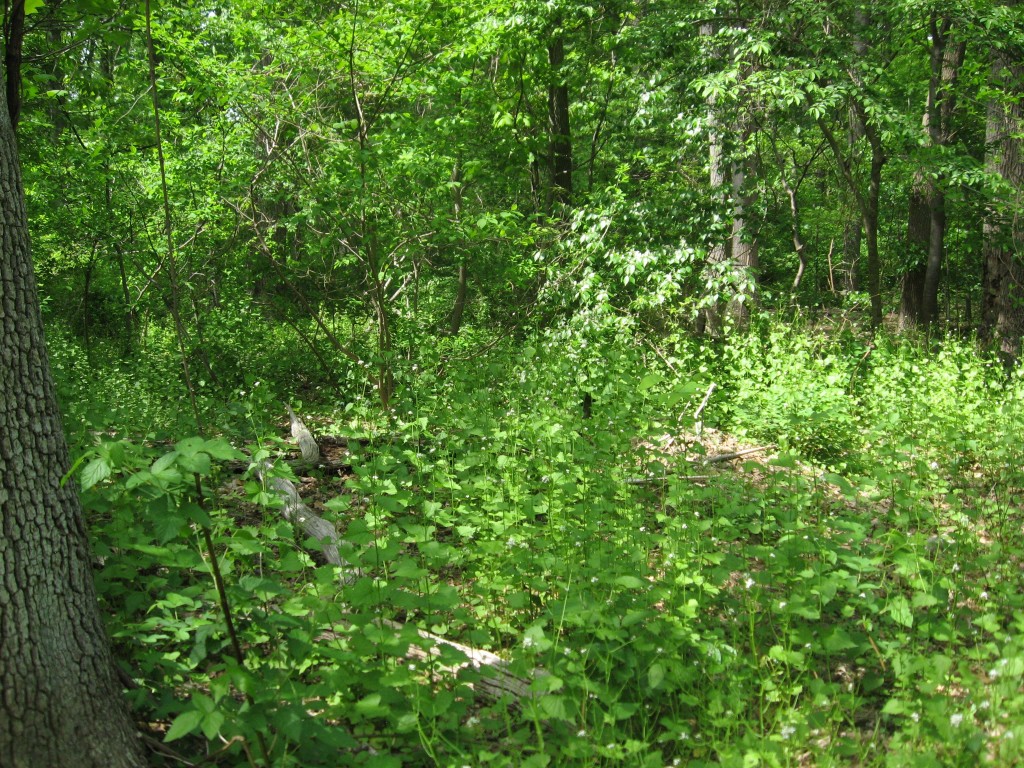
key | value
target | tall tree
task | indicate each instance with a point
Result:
(61, 703)
(1002, 308)
(558, 118)
(927, 216)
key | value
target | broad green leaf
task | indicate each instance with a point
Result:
(650, 380)
(212, 724)
(189, 446)
(554, 707)
(899, 610)
(184, 724)
(838, 639)
(371, 706)
(655, 675)
(197, 463)
(222, 450)
(95, 471)
(168, 527)
(164, 462)
(630, 582)
(338, 504)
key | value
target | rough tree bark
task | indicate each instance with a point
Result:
(1002, 307)
(61, 704)
(926, 229)
(738, 251)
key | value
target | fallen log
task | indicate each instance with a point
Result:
(304, 438)
(716, 459)
(314, 526)
(736, 455)
(496, 679)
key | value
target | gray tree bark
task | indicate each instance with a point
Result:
(61, 704)
(1002, 305)
(738, 251)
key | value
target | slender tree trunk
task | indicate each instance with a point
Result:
(462, 285)
(853, 230)
(852, 233)
(736, 254)
(14, 36)
(744, 246)
(558, 123)
(918, 234)
(720, 255)
(1002, 308)
(945, 63)
(870, 217)
(710, 319)
(61, 705)
(798, 240)
(867, 202)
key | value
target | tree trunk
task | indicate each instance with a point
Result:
(14, 37)
(558, 122)
(1002, 309)
(851, 252)
(918, 234)
(462, 286)
(867, 202)
(744, 246)
(733, 259)
(710, 320)
(853, 231)
(870, 218)
(945, 69)
(61, 703)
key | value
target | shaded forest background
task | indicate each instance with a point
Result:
(338, 194)
(661, 360)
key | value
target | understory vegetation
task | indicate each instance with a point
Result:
(663, 361)
(849, 593)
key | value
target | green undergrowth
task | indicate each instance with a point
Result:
(854, 599)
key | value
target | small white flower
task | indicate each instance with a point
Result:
(749, 582)
(528, 642)
(956, 567)
(915, 716)
(782, 605)
(787, 731)
(983, 596)
(581, 733)
(955, 719)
